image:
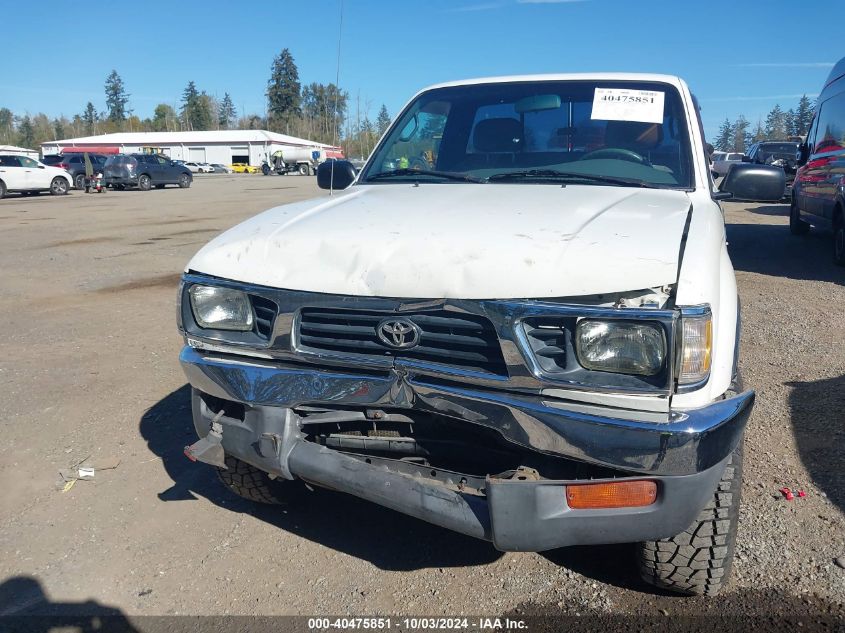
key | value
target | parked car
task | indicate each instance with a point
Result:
(145, 171)
(568, 376)
(74, 164)
(23, 174)
(221, 168)
(723, 164)
(818, 192)
(243, 168)
(199, 168)
(783, 154)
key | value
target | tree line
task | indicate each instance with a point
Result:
(780, 124)
(315, 111)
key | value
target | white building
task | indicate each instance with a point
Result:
(213, 146)
(22, 151)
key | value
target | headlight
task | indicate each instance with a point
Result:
(623, 347)
(696, 349)
(221, 308)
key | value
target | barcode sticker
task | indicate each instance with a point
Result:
(618, 104)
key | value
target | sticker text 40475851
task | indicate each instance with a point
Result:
(618, 104)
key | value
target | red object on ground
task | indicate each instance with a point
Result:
(801, 493)
(787, 493)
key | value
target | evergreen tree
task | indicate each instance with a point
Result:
(190, 100)
(116, 98)
(775, 124)
(789, 122)
(741, 137)
(59, 126)
(205, 113)
(724, 141)
(26, 133)
(383, 120)
(283, 91)
(7, 126)
(759, 133)
(227, 113)
(90, 118)
(803, 115)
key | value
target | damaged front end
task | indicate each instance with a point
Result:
(485, 426)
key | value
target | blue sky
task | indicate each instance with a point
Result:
(738, 57)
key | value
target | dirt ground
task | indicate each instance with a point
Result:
(89, 368)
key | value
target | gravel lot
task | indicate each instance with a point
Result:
(89, 368)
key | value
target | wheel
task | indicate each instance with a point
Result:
(250, 483)
(305, 169)
(797, 226)
(59, 186)
(184, 181)
(79, 181)
(838, 238)
(159, 186)
(698, 560)
(265, 169)
(2, 189)
(144, 182)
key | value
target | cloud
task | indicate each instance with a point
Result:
(761, 97)
(485, 6)
(786, 65)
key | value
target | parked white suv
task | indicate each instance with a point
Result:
(519, 321)
(23, 174)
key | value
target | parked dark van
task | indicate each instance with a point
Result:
(145, 171)
(818, 193)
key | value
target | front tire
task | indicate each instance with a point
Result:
(184, 181)
(797, 226)
(59, 186)
(305, 169)
(2, 189)
(698, 561)
(145, 183)
(79, 181)
(250, 483)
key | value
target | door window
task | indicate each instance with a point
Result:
(9, 161)
(830, 125)
(28, 162)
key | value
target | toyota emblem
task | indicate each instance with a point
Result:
(398, 333)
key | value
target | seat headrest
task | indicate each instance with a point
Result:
(633, 135)
(497, 135)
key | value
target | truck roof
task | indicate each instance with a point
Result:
(649, 77)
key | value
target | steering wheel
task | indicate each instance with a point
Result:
(618, 153)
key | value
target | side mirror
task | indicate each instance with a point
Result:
(803, 154)
(335, 174)
(41, 167)
(754, 182)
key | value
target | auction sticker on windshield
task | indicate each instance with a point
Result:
(619, 104)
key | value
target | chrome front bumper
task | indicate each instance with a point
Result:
(675, 444)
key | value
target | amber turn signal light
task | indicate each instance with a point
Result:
(622, 494)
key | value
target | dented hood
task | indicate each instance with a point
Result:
(470, 241)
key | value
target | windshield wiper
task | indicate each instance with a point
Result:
(566, 176)
(445, 175)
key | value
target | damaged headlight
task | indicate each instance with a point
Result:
(221, 308)
(623, 347)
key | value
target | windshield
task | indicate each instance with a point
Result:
(587, 132)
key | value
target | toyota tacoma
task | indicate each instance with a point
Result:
(519, 321)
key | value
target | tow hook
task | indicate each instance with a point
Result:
(209, 449)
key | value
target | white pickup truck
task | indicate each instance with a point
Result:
(519, 321)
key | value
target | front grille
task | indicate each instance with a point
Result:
(547, 338)
(265, 314)
(459, 340)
